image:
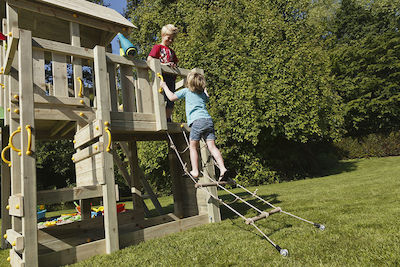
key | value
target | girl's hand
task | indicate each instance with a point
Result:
(163, 84)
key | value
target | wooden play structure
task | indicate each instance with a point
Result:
(50, 45)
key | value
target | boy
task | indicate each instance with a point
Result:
(167, 57)
(199, 121)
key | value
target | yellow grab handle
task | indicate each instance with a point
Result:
(29, 130)
(3, 157)
(109, 139)
(162, 79)
(11, 137)
(80, 94)
(2, 85)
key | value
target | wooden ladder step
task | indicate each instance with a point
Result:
(262, 215)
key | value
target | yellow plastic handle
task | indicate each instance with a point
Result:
(3, 157)
(162, 79)
(11, 138)
(109, 139)
(29, 130)
(2, 85)
(80, 94)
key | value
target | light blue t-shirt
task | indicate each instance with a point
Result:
(195, 105)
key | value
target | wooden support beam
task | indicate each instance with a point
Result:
(28, 162)
(5, 188)
(11, 49)
(88, 133)
(103, 111)
(61, 48)
(68, 194)
(15, 239)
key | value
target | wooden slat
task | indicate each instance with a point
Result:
(90, 171)
(54, 101)
(68, 194)
(16, 203)
(11, 49)
(126, 61)
(61, 48)
(88, 152)
(132, 116)
(176, 71)
(15, 239)
(103, 111)
(28, 162)
(158, 99)
(60, 81)
(128, 89)
(88, 133)
(15, 259)
(39, 79)
(137, 126)
(129, 238)
(61, 113)
(113, 87)
(180, 84)
(144, 92)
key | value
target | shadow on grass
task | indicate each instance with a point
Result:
(243, 208)
(340, 167)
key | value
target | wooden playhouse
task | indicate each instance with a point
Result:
(64, 39)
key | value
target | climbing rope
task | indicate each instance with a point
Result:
(250, 221)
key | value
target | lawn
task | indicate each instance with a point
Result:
(358, 202)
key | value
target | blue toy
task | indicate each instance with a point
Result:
(127, 48)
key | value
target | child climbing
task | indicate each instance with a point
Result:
(167, 57)
(199, 120)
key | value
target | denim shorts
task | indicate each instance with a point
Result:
(202, 128)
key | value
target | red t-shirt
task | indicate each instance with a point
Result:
(164, 53)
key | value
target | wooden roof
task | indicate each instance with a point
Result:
(90, 9)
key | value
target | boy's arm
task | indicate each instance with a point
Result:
(171, 96)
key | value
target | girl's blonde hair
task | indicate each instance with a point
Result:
(196, 82)
(169, 29)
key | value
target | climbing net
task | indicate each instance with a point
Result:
(221, 184)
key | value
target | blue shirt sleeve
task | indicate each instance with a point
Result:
(181, 93)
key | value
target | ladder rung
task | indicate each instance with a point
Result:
(263, 215)
(198, 185)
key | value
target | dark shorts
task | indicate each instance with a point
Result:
(202, 128)
(170, 81)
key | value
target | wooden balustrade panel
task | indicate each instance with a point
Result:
(144, 92)
(128, 89)
(39, 76)
(60, 80)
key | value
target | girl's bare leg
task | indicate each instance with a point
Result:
(217, 156)
(194, 158)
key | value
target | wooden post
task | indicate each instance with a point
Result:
(159, 103)
(212, 205)
(5, 188)
(138, 209)
(103, 113)
(28, 162)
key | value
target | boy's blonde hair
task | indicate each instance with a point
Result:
(169, 29)
(196, 82)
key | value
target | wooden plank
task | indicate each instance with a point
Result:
(5, 187)
(180, 84)
(61, 113)
(66, 15)
(132, 116)
(145, 93)
(28, 162)
(68, 194)
(88, 133)
(73, 254)
(103, 111)
(89, 171)
(176, 71)
(11, 50)
(87, 152)
(137, 126)
(61, 48)
(126, 61)
(39, 79)
(113, 87)
(60, 81)
(15, 259)
(158, 99)
(15, 239)
(16, 205)
(205, 200)
(130, 238)
(128, 89)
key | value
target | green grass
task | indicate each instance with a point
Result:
(358, 203)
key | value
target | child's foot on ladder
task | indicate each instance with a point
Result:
(223, 175)
(194, 174)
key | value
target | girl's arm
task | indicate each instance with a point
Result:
(171, 96)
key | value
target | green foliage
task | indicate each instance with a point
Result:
(372, 145)
(267, 72)
(55, 168)
(365, 58)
